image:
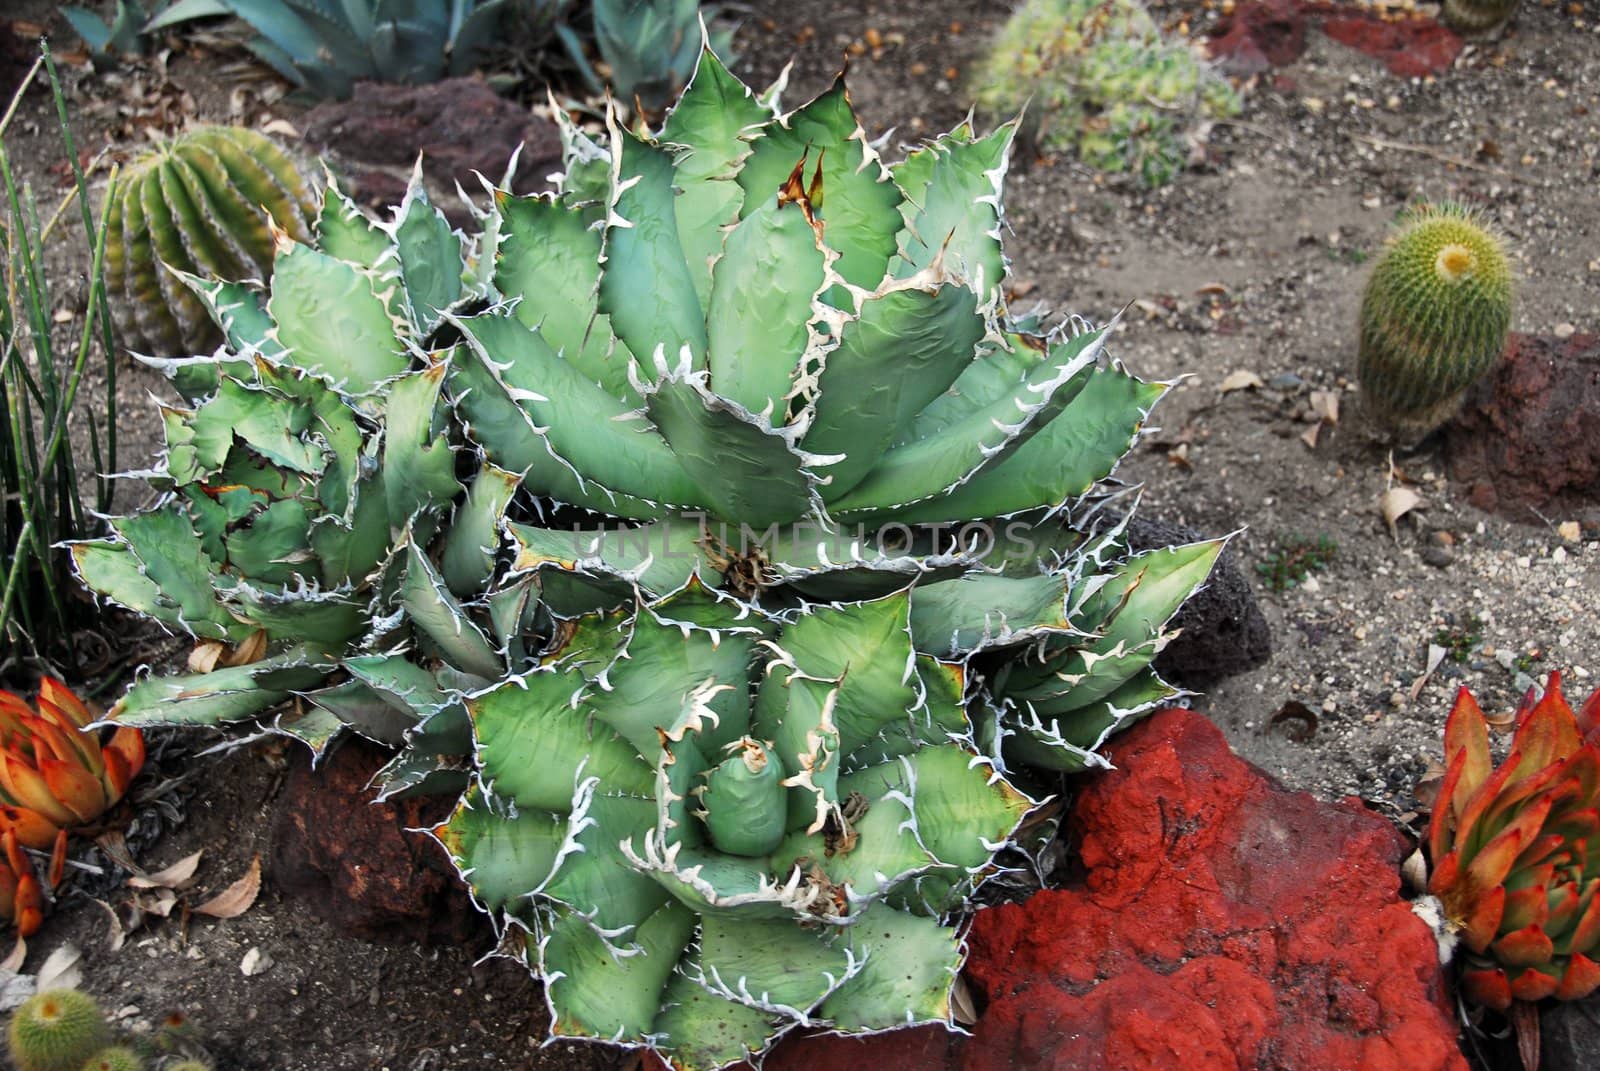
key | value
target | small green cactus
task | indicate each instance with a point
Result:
(1434, 318)
(56, 1030)
(116, 1058)
(200, 204)
(1477, 16)
(189, 1065)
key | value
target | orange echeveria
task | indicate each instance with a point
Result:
(1516, 849)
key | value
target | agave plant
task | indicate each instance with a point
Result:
(1516, 850)
(326, 48)
(722, 554)
(55, 773)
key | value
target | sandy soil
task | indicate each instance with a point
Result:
(1253, 263)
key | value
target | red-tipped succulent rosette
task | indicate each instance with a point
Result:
(1516, 849)
(54, 775)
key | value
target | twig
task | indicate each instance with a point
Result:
(1255, 128)
(1446, 158)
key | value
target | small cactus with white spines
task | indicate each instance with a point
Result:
(1434, 318)
(56, 1030)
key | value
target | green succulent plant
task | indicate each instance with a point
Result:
(650, 47)
(723, 555)
(1105, 83)
(326, 48)
(56, 1030)
(1434, 318)
(116, 1058)
(123, 34)
(202, 204)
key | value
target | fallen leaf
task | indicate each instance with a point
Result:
(1428, 785)
(1325, 404)
(117, 936)
(1179, 455)
(172, 877)
(203, 659)
(236, 899)
(19, 952)
(1395, 503)
(283, 128)
(1302, 721)
(1211, 288)
(1309, 436)
(1415, 871)
(60, 969)
(962, 1007)
(1435, 656)
(1243, 379)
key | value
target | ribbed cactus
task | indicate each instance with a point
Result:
(56, 1030)
(1433, 320)
(204, 204)
(1478, 16)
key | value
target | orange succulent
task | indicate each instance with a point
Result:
(21, 898)
(1516, 849)
(54, 775)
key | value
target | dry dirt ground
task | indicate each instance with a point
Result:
(1253, 263)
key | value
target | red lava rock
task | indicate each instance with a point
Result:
(1259, 35)
(1262, 34)
(1525, 442)
(353, 861)
(459, 125)
(1410, 48)
(1223, 923)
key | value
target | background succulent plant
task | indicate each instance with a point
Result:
(54, 772)
(1516, 850)
(1434, 318)
(326, 48)
(720, 554)
(203, 204)
(1103, 82)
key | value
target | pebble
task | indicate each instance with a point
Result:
(255, 962)
(1438, 555)
(1565, 330)
(1286, 381)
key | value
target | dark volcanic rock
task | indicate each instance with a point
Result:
(459, 125)
(1410, 48)
(352, 859)
(1569, 1035)
(1527, 442)
(1224, 632)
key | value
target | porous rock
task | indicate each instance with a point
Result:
(1221, 628)
(1569, 1034)
(1259, 35)
(458, 125)
(1222, 923)
(1525, 443)
(352, 862)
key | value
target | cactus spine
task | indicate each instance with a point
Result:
(200, 204)
(56, 1030)
(1433, 320)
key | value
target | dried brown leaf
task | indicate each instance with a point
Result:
(1395, 503)
(173, 877)
(1325, 404)
(1309, 436)
(13, 962)
(1243, 379)
(236, 899)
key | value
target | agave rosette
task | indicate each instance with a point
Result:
(734, 543)
(1516, 850)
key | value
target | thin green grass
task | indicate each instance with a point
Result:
(42, 502)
